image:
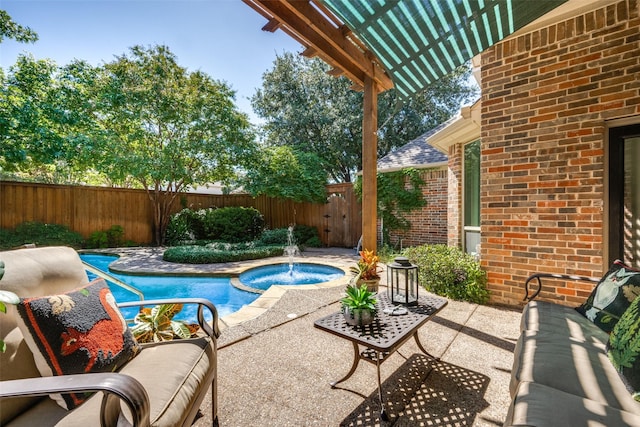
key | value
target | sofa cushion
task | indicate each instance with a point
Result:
(76, 332)
(623, 348)
(547, 317)
(538, 405)
(579, 367)
(612, 296)
(175, 374)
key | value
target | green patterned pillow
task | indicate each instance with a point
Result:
(623, 348)
(612, 296)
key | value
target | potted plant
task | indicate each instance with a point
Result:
(359, 305)
(367, 270)
(156, 324)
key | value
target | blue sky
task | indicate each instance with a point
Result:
(222, 38)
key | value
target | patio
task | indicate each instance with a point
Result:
(275, 369)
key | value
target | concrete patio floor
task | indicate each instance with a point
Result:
(274, 367)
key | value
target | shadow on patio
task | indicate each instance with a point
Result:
(278, 374)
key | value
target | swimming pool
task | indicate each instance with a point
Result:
(218, 290)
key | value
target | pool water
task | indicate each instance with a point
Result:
(218, 290)
(284, 274)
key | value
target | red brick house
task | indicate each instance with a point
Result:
(428, 224)
(541, 170)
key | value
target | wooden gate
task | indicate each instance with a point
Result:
(342, 219)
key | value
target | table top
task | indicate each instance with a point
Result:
(387, 331)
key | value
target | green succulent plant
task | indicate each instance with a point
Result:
(359, 298)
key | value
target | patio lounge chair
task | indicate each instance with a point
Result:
(158, 384)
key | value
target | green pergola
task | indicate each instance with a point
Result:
(405, 44)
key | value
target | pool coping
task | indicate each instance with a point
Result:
(148, 261)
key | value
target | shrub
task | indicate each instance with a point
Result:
(213, 253)
(303, 235)
(43, 235)
(306, 235)
(276, 236)
(111, 238)
(186, 226)
(450, 272)
(233, 224)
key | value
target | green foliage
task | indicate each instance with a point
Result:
(45, 117)
(450, 272)
(311, 111)
(11, 30)
(276, 236)
(185, 226)
(233, 224)
(156, 324)
(167, 129)
(286, 173)
(6, 297)
(359, 298)
(303, 236)
(219, 253)
(40, 234)
(399, 193)
(111, 238)
(624, 340)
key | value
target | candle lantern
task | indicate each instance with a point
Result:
(402, 282)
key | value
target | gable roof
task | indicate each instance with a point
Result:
(416, 153)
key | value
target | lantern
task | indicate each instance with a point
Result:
(402, 282)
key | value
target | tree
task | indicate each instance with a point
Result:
(167, 128)
(308, 109)
(44, 118)
(12, 30)
(288, 174)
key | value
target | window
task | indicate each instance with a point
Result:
(624, 195)
(471, 198)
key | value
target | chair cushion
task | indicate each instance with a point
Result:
(612, 296)
(623, 348)
(76, 332)
(176, 375)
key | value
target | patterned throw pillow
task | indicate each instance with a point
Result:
(80, 331)
(623, 348)
(612, 296)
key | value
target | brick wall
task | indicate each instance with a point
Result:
(546, 100)
(454, 225)
(429, 224)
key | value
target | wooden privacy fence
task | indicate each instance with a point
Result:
(88, 209)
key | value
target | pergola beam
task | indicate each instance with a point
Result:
(324, 35)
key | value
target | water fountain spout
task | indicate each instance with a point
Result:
(291, 249)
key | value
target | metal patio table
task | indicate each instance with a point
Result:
(384, 336)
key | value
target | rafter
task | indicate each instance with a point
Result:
(323, 35)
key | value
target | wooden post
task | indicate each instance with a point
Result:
(369, 165)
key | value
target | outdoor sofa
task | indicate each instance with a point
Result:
(158, 384)
(563, 372)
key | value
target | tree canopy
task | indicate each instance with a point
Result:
(306, 108)
(288, 174)
(141, 120)
(43, 118)
(12, 30)
(167, 128)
